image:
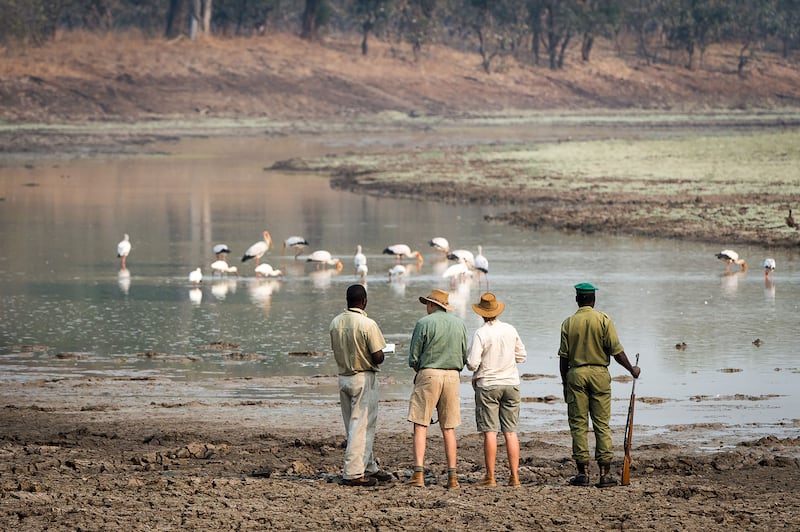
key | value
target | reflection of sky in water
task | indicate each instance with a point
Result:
(659, 293)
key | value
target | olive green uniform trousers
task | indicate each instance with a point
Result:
(589, 394)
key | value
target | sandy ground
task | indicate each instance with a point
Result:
(96, 455)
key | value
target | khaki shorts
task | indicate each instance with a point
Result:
(497, 408)
(436, 389)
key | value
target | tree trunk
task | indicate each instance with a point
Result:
(586, 46)
(309, 22)
(207, 9)
(563, 49)
(194, 18)
(366, 27)
(743, 58)
(174, 12)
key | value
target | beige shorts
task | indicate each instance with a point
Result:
(436, 389)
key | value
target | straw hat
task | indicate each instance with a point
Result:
(489, 307)
(437, 297)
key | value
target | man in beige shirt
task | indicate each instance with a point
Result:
(358, 345)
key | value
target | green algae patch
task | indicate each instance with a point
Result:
(725, 185)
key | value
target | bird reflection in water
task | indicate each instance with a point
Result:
(222, 287)
(730, 281)
(196, 295)
(261, 291)
(321, 279)
(460, 297)
(124, 280)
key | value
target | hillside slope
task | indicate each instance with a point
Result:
(88, 77)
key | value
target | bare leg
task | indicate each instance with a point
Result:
(490, 452)
(512, 447)
(450, 445)
(420, 435)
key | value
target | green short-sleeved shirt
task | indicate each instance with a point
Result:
(354, 337)
(439, 341)
(589, 337)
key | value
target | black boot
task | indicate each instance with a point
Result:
(581, 479)
(606, 480)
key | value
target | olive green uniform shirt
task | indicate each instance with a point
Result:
(589, 337)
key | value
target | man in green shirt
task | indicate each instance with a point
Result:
(438, 353)
(588, 342)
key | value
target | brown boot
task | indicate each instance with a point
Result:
(487, 482)
(606, 480)
(581, 479)
(452, 481)
(417, 480)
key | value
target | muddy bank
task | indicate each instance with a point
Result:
(141, 466)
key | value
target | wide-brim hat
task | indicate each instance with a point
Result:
(489, 306)
(437, 297)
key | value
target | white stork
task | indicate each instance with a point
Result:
(298, 243)
(323, 258)
(258, 249)
(731, 257)
(267, 270)
(402, 250)
(123, 249)
(769, 266)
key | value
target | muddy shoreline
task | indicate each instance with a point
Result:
(96, 462)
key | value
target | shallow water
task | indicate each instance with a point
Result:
(66, 309)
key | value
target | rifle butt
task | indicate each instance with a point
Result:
(626, 471)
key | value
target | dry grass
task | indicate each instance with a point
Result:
(107, 77)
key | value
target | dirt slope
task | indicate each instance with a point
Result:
(88, 77)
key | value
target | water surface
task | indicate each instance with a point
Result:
(67, 310)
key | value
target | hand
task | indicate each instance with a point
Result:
(636, 371)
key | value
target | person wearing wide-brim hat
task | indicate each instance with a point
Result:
(588, 342)
(493, 356)
(437, 354)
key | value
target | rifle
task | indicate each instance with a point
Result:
(626, 464)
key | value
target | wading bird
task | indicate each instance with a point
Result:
(221, 267)
(323, 258)
(401, 250)
(769, 266)
(440, 244)
(481, 265)
(298, 243)
(196, 276)
(267, 270)
(123, 249)
(462, 254)
(731, 257)
(258, 249)
(221, 250)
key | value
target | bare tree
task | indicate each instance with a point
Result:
(309, 24)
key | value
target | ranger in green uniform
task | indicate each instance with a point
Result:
(588, 341)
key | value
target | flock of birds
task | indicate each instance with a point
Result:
(730, 257)
(465, 267)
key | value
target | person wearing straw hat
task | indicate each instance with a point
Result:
(437, 354)
(493, 357)
(588, 342)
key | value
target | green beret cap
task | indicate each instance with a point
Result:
(585, 288)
